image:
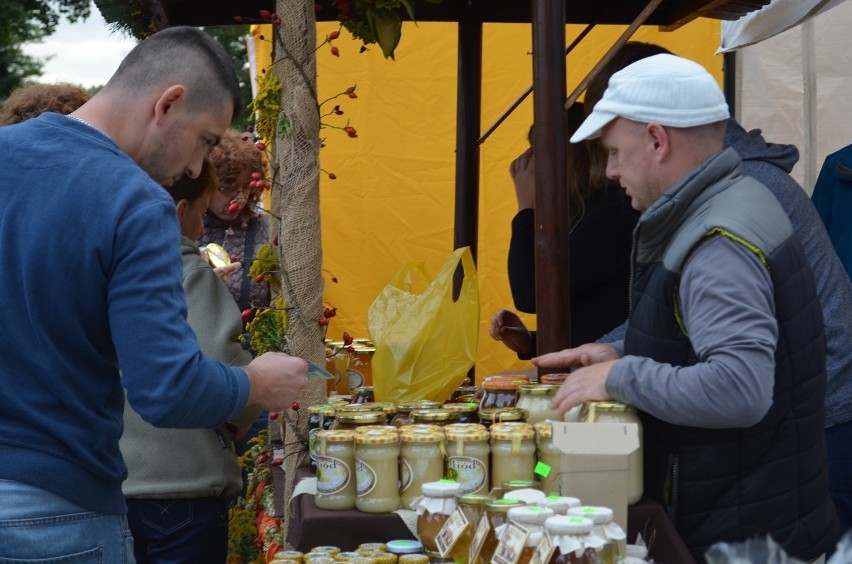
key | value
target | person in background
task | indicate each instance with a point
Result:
(724, 354)
(602, 223)
(771, 164)
(33, 100)
(832, 197)
(92, 281)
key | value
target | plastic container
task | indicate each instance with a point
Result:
(615, 412)
(336, 486)
(377, 470)
(421, 460)
(468, 457)
(535, 399)
(405, 546)
(433, 508)
(512, 452)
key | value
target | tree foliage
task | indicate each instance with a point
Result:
(233, 39)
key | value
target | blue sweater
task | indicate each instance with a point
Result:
(92, 281)
(833, 200)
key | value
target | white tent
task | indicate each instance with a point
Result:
(794, 78)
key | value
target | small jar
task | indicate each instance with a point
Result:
(473, 508)
(560, 504)
(413, 559)
(468, 456)
(373, 546)
(615, 538)
(336, 487)
(500, 391)
(462, 391)
(421, 460)
(535, 399)
(433, 508)
(532, 519)
(497, 513)
(616, 412)
(351, 420)
(491, 415)
(318, 558)
(325, 549)
(553, 379)
(378, 556)
(573, 540)
(468, 411)
(377, 470)
(363, 394)
(386, 407)
(404, 409)
(512, 452)
(437, 416)
(549, 455)
(320, 418)
(289, 555)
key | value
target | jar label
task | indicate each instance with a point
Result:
(544, 550)
(333, 475)
(451, 531)
(365, 477)
(313, 442)
(478, 539)
(406, 475)
(511, 545)
(470, 472)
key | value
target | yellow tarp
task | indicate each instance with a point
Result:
(393, 199)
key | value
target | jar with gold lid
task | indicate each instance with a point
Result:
(413, 559)
(501, 391)
(325, 549)
(373, 546)
(535, 399)
(573, 540)
(532, 519)
(320, 418)
(491, 415)
(512, 452)
(404, 409)
(421, 460)
(616, 412)
(497, 513)
(615, 539)
(378, 556)
(473, 508)
(336, 486)
(468, 456)
(433, 509)
(351, 420)
(377, 469)
(292, 555)
(363, 394)
(318, 558)
(386, 407)
(436, 416)
(468, 411)
(549, 456)
(462, 391)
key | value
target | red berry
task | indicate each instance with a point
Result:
(332, 176)
(250, 128)
(260, 146)
(335, 51)
(260, 278)
(353, 95)
(295, 406)
(262, 458)
(350, 90)
(273, 415)
(317, 6)
(347, 339)
(275, 241)
(332, 312)
(266, 14)
(350, 131)
(350, 348)
(246, 314)
(334, 279)
(276, 19)
(235, 258)
(333, 35)
(323, 321)
(277, 461)
(256, 176)
(238, 19)
(233, 208)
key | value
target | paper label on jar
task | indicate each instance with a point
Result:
(544, 550)
(313, 443)
(469, 472)
(451, 531)
(405, 475)
(333, 475)
(511, 544)
(365, 477)
(478, 539)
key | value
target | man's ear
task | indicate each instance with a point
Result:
(659, 138)
(181, 208)
(171, 96)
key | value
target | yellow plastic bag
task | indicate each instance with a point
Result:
(425, 342)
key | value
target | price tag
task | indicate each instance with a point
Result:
(511, 544)
(544, 550)
(451, 531)
(478, 539)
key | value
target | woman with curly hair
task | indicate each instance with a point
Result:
(30, 101)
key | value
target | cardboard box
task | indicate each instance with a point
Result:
(595, 463)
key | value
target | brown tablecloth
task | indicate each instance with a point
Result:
(311, 526)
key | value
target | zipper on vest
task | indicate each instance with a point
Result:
(671, 494)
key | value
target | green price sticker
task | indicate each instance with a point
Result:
(542, 469)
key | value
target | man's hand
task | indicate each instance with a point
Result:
(584, 355)
(582, 385)
(226, 272)
(506, 326)
(276, 379)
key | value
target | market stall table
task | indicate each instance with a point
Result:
(311, 526)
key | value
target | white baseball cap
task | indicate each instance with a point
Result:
(664, 89)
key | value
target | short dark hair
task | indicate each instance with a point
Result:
(31, 101)
(186, 55)
(190, 189)
(629, 53)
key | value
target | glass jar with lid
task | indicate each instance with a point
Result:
(462, 391)
(556, 379)
(377, 470)
(501, 391)
(386, 407)
(421, 460)
(535, 399)
(468, 411)
(325, 549)
(320, 418)
(363, 394)
(616, 412)
(351, 420)
(548, 455)
(522, 490)
(497, 513)
(436, 416)
(512, 452)
(532, 519)
(433, 509)
(615, 538)
(573, 540)
(560, 504)
(336, 486)
(491, 415)
(413, 559)
(473, 508)
(404, 409)
(468, 456)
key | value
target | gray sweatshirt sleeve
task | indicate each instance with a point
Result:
(726, 304)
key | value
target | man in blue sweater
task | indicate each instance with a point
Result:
(92, 279)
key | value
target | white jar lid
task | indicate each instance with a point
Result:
(529, 496)
(599, 515)
(568, 525)
(443, 488)
(404, 546)
(532, 514)
(560, 504)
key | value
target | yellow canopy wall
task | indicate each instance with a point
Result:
(393, 197)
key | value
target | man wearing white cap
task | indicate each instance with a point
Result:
(724, 353)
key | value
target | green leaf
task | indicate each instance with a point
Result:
(285, 126)
(409, 7)
(387, 27)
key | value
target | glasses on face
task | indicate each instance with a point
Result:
(233, 192)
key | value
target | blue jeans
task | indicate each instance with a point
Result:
(179, 530)
(838, 440)
(38, 526)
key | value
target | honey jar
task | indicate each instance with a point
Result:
(573, 540)
(434, 508)
(436, 416)
(404, 409)
(615, 539)
(501, 391)
(473, 508)
(377, 469)
(535, 400)
(512, 452)
(532, 519)
(491, 415)
(497, 513)
(421, 460)
(549, 458)
(336, 487)
(468, 411)
(468, 456)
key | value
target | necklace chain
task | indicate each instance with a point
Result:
(84, 122)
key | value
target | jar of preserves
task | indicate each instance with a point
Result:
(363, 394)
(473, 508)
(373, 546)
(528, 492)
(500, 391)
(491, 415)
(320, 418)
(549, 458)
(360, 371)
(573, 540)
(468, 411)
(433, 509)
(378, 556)
(615, 412)
(319, 558)
(421, 460)
(462, 391)
(386, 407)
(377, 470)
(532, 519)
(468, 456)
(436, 416)
(497, 513)
(535, 400)
(560, 504)
(351, 420)
(413, 559)
(512, 452)
(404, 409)
(615, 539)
(336, 487)
(325, 549)
(553, 379)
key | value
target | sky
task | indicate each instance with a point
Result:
(85, 53)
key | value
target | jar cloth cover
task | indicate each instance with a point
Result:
(425, 340)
